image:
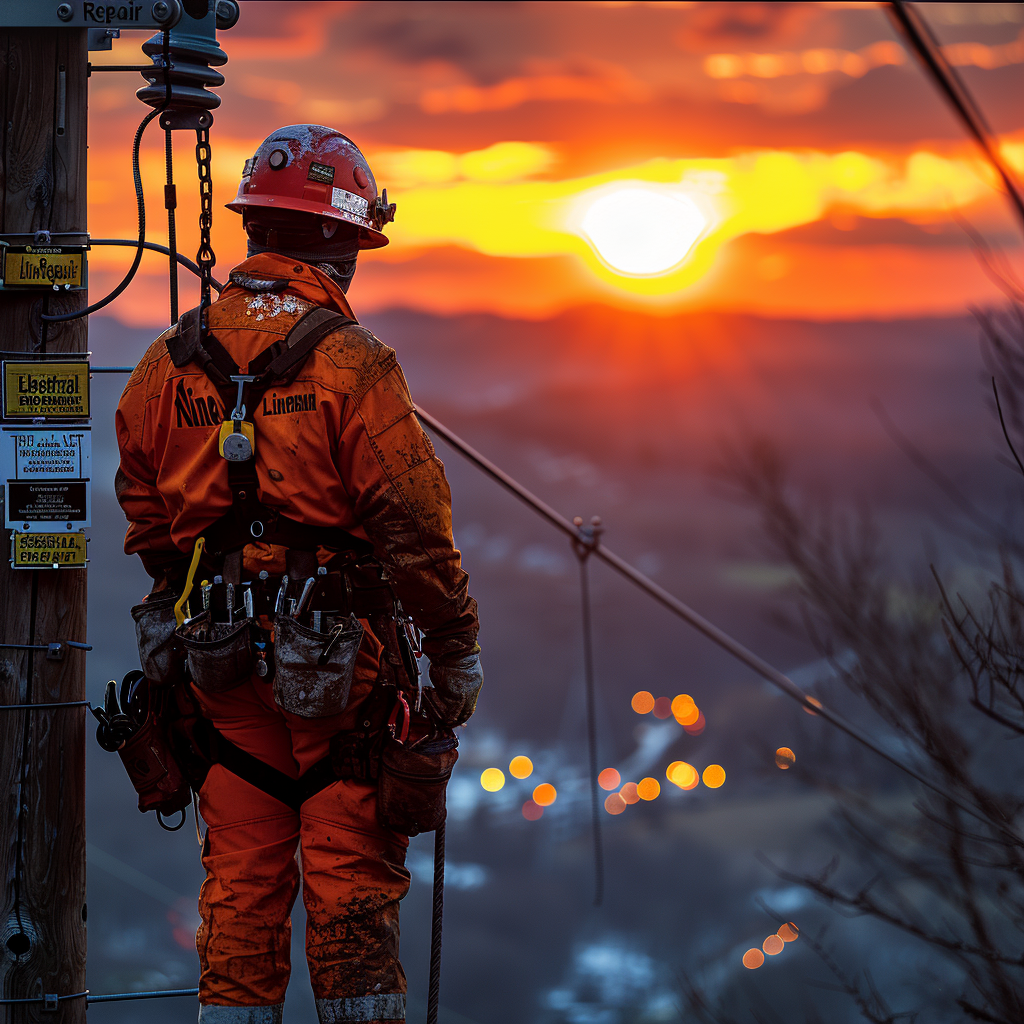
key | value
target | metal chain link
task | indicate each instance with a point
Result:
(205, 257)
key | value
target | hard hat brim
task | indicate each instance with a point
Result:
(369, 238)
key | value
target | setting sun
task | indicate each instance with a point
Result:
(642, 231)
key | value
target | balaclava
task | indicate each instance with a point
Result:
(305, 237)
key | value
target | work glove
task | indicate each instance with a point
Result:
(456, 683)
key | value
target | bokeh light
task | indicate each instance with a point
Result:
(662, 707)
(684, 709)
(714, 776)
(696, 728)
(648, 789)
(773, 945)
(642, 702)
(614, 804)
(544, 794)
(789, 932)
(609, 779)
(520, 767)
(630, 793)
(785, 758)
(753, 958)
(492, 779)
(683, 775)
(532, 811)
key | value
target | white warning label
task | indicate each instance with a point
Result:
(47, 454)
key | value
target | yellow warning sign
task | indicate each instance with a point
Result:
(44, 267)
(48, 550)
(50, 389)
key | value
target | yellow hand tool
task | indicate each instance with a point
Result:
(179, 607)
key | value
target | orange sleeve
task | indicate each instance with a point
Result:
(402, 499)
(149, 523)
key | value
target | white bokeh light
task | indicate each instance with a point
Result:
(642, 231)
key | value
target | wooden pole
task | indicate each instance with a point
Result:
(43, 86)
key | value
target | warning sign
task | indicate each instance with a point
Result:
(46, 389)
(45, 453)
(58, 267)
(29, 504)
(48, 550)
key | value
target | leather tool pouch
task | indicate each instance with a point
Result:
(312, 670)
(220, 657)
(161, 653)
(413, 783)
(149, 756)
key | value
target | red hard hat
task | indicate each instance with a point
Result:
(312, 169)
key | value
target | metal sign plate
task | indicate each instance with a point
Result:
(58, 267)
(48, 550)
(46, 472)
(76, 14)
(44, 389)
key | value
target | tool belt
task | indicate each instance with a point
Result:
(172, 747)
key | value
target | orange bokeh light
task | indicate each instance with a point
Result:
(773, 945)
(785, 758)
(714, 776)
(697, 727)
(609, 779)
(630, 792)
(684, 709)
(789, 932)
(642, 702)
(662, 707)
(683, 775)
(532, 811)
(544, 795)
(648, 789)
(520, 767)
(815, 702)
(752, 959)
(614, 804)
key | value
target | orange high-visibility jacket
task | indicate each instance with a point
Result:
(340, 446)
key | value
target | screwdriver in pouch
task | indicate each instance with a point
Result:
(279, 602)
(307, 593)
(231, 603)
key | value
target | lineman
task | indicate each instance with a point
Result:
(342, 489)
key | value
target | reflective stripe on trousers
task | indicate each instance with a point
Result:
(210, 1013)
(383, 1006)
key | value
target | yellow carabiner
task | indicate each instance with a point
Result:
(179, 613)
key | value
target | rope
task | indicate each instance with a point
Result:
(583, 546)
(434, 988)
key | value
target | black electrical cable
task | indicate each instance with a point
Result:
(182, 259)
(922, 41)
(141, 201)
(170, 195)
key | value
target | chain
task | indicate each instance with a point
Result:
(205, 257)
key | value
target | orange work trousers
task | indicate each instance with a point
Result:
(256, 852)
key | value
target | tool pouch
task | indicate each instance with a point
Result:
(413, 782)
(220, 657)
(150, 761)
(313, 671)
(160, 652)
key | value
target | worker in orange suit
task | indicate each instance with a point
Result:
(343, 485)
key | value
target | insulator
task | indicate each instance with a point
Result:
(194, 52)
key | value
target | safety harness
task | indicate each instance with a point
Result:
(248, 519)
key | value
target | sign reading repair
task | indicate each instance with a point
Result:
(46, 389)
(60, 267)
(48, 550)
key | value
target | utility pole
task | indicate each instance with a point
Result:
(43, 95)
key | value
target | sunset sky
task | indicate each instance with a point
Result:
(778, 159)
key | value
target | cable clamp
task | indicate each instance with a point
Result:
(588, 538)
